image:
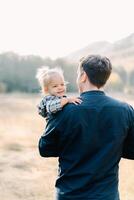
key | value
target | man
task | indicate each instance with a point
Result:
(90, 138)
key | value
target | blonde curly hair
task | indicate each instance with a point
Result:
(45, 74)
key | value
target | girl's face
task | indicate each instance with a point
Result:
(57, 86)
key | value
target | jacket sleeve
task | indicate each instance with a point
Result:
(59, 128)
(50, 141)
(128, 149)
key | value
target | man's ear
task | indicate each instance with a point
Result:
(83, 77)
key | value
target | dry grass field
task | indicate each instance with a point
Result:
(24, 175)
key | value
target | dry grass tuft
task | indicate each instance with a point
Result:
(14, 147)
(24, 174)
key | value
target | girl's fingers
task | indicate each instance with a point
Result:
(78, 100)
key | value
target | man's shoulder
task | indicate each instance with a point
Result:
(70, 107)
(120, 106)
(68, 116)
(69, 111)
(117, 102)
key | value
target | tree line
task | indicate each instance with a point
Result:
(17, 73)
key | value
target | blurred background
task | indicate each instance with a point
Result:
(37, 33)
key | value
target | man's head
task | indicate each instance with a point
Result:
(93, 70)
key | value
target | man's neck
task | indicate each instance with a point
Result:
(91, 88)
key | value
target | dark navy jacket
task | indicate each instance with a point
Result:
(89, 140)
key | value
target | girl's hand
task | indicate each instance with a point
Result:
(74, 100)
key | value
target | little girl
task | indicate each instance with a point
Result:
(53, 88)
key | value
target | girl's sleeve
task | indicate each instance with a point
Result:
(53, 105)
(42, 108)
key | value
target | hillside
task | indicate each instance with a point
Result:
(120, 52)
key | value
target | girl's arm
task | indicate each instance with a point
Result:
(57, 104)
(53, 104)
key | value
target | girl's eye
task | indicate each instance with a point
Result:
(55, 86)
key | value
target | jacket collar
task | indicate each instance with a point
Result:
(92, 92)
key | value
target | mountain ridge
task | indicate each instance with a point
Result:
(121, 52)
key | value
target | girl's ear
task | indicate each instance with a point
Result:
(45, 89)
(83, 77)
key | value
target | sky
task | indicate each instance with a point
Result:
(55, 28)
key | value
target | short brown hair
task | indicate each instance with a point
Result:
(97, 68)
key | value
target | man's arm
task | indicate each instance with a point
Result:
(48, 142)
(58, 130)
(51, 141)
(128, 149)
